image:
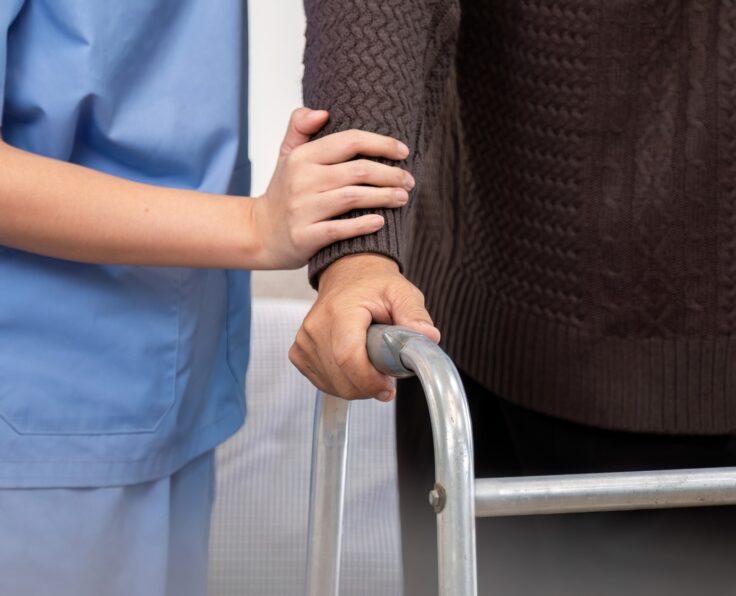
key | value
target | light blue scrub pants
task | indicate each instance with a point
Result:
(147, 539)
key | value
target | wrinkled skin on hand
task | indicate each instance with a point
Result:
(354, 292)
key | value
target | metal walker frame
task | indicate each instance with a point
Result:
(457, 497)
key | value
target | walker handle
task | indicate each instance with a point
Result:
(399, 352)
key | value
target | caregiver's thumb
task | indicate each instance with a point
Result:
(303, 123)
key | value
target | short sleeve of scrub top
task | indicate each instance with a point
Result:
(8, 11)
(115, 375)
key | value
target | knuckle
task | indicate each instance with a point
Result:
(310, 327)
(353, 140)
(360, 169)
(405, 293)
(293, 158)
(343, 358)
(348, 352)
(332, 232)
(335, 309)
(294, 357)
(347, 193)
(350, 196)
(295, 162)
(299, 339)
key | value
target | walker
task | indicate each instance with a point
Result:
(458, 497)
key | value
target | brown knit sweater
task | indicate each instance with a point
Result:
(574, 226)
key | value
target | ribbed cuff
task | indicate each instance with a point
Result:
(673, 385)
(387, 242)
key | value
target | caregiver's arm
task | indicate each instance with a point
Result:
(63, 210)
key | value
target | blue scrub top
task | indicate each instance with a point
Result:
(109, 374)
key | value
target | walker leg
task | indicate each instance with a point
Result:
(400, 352)
(453, 497)
(327, 495)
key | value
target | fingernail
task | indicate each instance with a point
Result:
(403, 150)
(410, 182)
(317, 114)
(377, 220)
(385, 395)
(401, 195)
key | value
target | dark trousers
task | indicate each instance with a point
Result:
(676, 552)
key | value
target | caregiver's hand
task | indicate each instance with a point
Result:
(316, 181)
(67, 211)
(355, 291)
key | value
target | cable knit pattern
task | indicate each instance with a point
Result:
(574, 225)
(726, 162)
(379, 65)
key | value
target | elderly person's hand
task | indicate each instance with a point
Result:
(355, 291)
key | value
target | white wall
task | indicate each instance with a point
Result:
(276, 46)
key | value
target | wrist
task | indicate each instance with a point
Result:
(357, 265)
(249, 241)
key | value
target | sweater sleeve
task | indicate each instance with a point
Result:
(378, 65)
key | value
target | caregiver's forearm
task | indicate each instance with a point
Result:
(71, 212)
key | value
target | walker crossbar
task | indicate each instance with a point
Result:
(457, 497)
(619, 491)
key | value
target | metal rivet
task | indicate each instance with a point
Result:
(438, 498)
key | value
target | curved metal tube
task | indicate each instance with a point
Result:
(398, 352)
(327, 495)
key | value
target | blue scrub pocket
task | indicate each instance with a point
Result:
(86, 349)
